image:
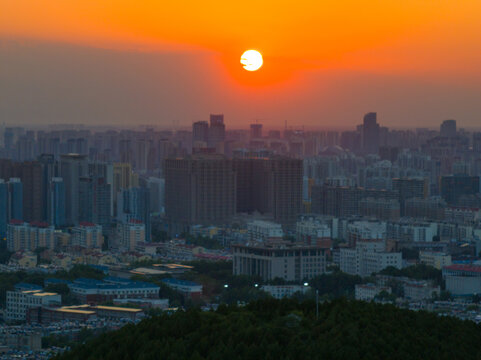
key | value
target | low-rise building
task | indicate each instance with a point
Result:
(22, 236)
(260, 230)
(420, 290)
(367, 292)
(287, 261)
(187, 288)
(435, 259)
(18, 302)
(95, 291)
(463, 280)
(311, 231)
(282, 291)
(87, 235)
(368, 257)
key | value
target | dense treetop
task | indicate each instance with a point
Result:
(272, 329)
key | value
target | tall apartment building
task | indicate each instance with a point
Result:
(216, 130)
(56, 202)
(382, 209)
(344, 201)
(123, 178)
(30, 176)
(3, 209)
(270, 186)
(72, 168)
(432, 208)
(95, 201)
(200, 133)
(288, 262)
(28, 237)
(134, 204)
(199, 190)
(370, 134)
(455, 186)
(409, 188)
(15, 199)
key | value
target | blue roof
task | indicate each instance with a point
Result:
(116, 279)
(56, 281)
(103, 268)
(173, 281)
(87, 281)
(99, 284)
(27, 286)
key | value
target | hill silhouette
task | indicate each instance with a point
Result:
(271, 329)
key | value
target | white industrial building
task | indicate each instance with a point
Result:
(286, 261)
(18, 302)
(463, 280)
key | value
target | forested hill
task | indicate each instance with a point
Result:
(271, 329)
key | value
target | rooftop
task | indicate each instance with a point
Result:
(463, 267)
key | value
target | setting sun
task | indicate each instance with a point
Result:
(252, 60)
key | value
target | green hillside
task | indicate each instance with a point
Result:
(271, 329)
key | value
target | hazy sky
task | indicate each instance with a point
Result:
(415, 62)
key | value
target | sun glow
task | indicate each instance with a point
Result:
(252, 60)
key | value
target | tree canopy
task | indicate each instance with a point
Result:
(287, 329)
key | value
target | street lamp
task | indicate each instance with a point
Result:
(306, 284)
(256, 285)
(226, 285)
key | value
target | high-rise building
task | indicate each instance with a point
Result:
(199, 190)
(49, 171)
(200, 132)
(94, 201)
(270, 186)
(3, 209)
(342, 201)
(15, 199)
(123, 178)
(256, 131)
(409, 188)
(56, 202)
(455, 186)
(448, 128)
(134, 204)
(106, 171)
(156, 188)
(370, 134)
(72, 168)
(216, 130)
(31, 175)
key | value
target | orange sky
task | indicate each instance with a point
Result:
(425, 38)
(333, 33)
